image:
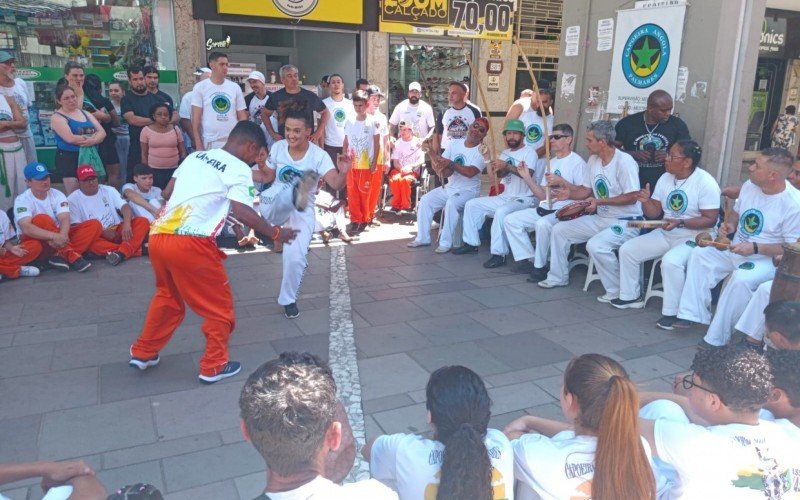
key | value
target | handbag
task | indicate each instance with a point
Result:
(88, 155)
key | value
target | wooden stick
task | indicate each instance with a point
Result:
(485, 103)
(545, 132)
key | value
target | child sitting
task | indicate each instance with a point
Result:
(144, 198)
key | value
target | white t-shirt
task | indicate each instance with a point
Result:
(19, 92)
(514, 185)
(730, 461)
(323, 489)
(412, 464)
(340, 113)
(462, 155)
(683, 199)
(409, 153)
(220, 104)
(382, 123)
(560, 467)
(620, 176)
(768, 219)
(455, 123)
(153, 197)
(572, 168)
(6, 229)
(361, 140)
(205, 184)
(103, 206)
(185, 108)
(315, 160)
(534, 130)
(254, 110)
(420, 116)
(27, 205)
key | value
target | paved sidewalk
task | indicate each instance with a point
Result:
(67, 390)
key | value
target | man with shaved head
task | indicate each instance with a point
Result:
(648, 135)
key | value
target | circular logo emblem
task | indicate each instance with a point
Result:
(677, 201)
(221, 103)
(616, 229)
(646, 55)
(557, 172)
(751, 222)
(289, 173)
(601, 187)
(339, 115)
(747, 266)
(459, 160)
(295, 8)
(533, 134)
(691, 244)
(5, 117)
(511, 162)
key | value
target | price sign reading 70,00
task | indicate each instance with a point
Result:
(482, 16)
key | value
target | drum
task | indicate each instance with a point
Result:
(572, 211)
(786, 285)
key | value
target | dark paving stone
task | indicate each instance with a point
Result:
(525, 350)
(119, 381)
(315, 344)
(20, 437)
(445, 330)
(468, 354)
(388, 339)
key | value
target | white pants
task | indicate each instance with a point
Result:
(752, 323)
(451, 203)
(517, 226)
(143, 212)
(707, 267)
(325, 219)
(277, 208)
(13, 163)
(29, 145)
(602, 234)
(477, 209)
(216, 143)
(646, 247)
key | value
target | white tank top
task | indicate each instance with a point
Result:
(6, 115)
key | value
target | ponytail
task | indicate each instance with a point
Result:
(466, 468)
(621, 467)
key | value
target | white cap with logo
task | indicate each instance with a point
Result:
(257, 75)
(414, 86)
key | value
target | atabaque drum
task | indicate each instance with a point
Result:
(786, 285)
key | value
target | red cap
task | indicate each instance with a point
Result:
(86, 171)
(484, 121)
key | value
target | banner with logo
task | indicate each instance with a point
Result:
(488, 19)
(647, 49)
(332, 11)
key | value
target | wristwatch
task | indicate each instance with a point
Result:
(682, 223)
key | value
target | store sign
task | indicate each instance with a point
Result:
(773, 36)
(332, 11)
(489, 19)
(220, 44)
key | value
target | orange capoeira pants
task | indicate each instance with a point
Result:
(10, 263)
(131, 248)
(400, 184)
(375, 184)
(359, 183)
(189, 271)
(80, 237)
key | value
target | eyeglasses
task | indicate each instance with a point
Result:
(557, 137)
(671, 156)
(477, 127)
(688, 383)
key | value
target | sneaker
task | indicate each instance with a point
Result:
(749, 344)
(291, 311)
(465, 249)
(628, 304)
(115, 258)
(143, 364)
(415, 244)
(607, 298)
(231, 369)
(666, 322)
(302, 189)
(434, 225)
(683, 324)
(538, 274)
(549, 284)
(441, 249)
(495, 261)
(522, 267)
(80, 265)
(374, 223)
(59, 263)
(28, 271)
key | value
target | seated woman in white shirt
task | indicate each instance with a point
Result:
(464, 460)
(601, 454)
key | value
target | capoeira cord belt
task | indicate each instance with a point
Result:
(3, 173)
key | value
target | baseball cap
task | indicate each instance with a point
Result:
(482, 120)
(36, 171)
(514, 126)
(200, 71)
(414, 86)
(85, 171)
(6, 56)
(374, 90)
(257, 75)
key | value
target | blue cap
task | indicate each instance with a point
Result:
(36, 171)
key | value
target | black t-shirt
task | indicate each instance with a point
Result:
(140, 106)
(634, 136)
(100, 102)
(167, 98)
(280, 98)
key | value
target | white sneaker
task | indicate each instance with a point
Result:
(28, 271)
(607, 298)
(441, 249)
(415, 244)
(434, 225)
(550, 284)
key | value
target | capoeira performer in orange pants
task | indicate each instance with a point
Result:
(14, 257)
(186, 261)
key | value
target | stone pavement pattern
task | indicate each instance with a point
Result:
(67, 391)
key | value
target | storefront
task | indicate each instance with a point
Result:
(106, 38)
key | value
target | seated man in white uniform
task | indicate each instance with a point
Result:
(514, 196)
(566, 164)
(614, 180)
(688, 199)
(296, 164)
(461, 165)
(767, 214)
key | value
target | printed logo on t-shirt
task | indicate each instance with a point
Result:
(22, 210)
(601, 187)
(339, 115)
(617, 230)
(677, 201)
(460, 160)
(651, 142)
(751, 222)
(557, 172)
(498, 486)
(289, 173)
(457, 129)
(533, 134)
(5, 117)
(221, 103)
(580, 466)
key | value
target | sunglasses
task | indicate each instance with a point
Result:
(557, 137)
(478, 127)
(688, 383)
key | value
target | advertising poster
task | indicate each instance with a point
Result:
(488, 19)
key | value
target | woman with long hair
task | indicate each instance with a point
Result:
(465, 460)
(601, 455)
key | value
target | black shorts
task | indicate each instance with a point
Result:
(67, 163)
(162, 176)
(108, 151)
